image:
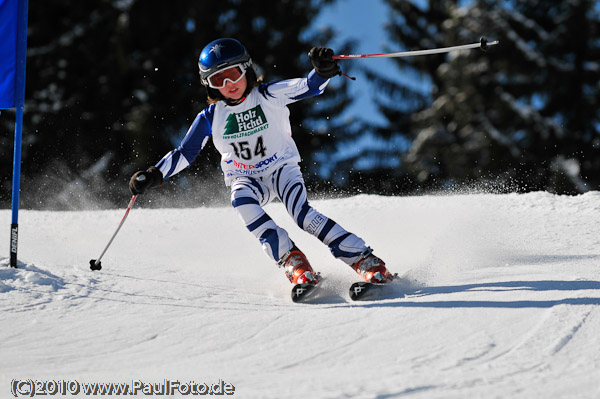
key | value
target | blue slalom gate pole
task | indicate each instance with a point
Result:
(21, 58)
(16, 187)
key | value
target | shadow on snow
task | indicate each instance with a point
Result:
(506, 286)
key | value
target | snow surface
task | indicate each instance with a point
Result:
(505, 303)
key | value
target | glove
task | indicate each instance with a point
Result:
(325, 66)
(143, 180)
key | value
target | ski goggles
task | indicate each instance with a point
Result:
(233, 74)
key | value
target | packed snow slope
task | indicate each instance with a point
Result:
(505, 302)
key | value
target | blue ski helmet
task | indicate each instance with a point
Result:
(221, 54)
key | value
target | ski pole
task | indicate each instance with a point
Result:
(482, 44)
(95, 263)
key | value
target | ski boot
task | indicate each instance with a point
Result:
(297, 269)
(372, 269)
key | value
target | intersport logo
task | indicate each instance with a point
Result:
(259, 165)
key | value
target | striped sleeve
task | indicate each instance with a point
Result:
(285, 92)
(191, 145)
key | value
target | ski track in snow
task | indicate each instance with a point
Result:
(502, 301)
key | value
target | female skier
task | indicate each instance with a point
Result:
(249, 124)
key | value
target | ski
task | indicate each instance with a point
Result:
(362, 290)
(303, 292)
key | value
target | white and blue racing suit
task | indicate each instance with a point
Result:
(259, 160)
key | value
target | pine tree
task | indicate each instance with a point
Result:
(411, 27)
(523, 116)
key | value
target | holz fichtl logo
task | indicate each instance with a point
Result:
(245, 123)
